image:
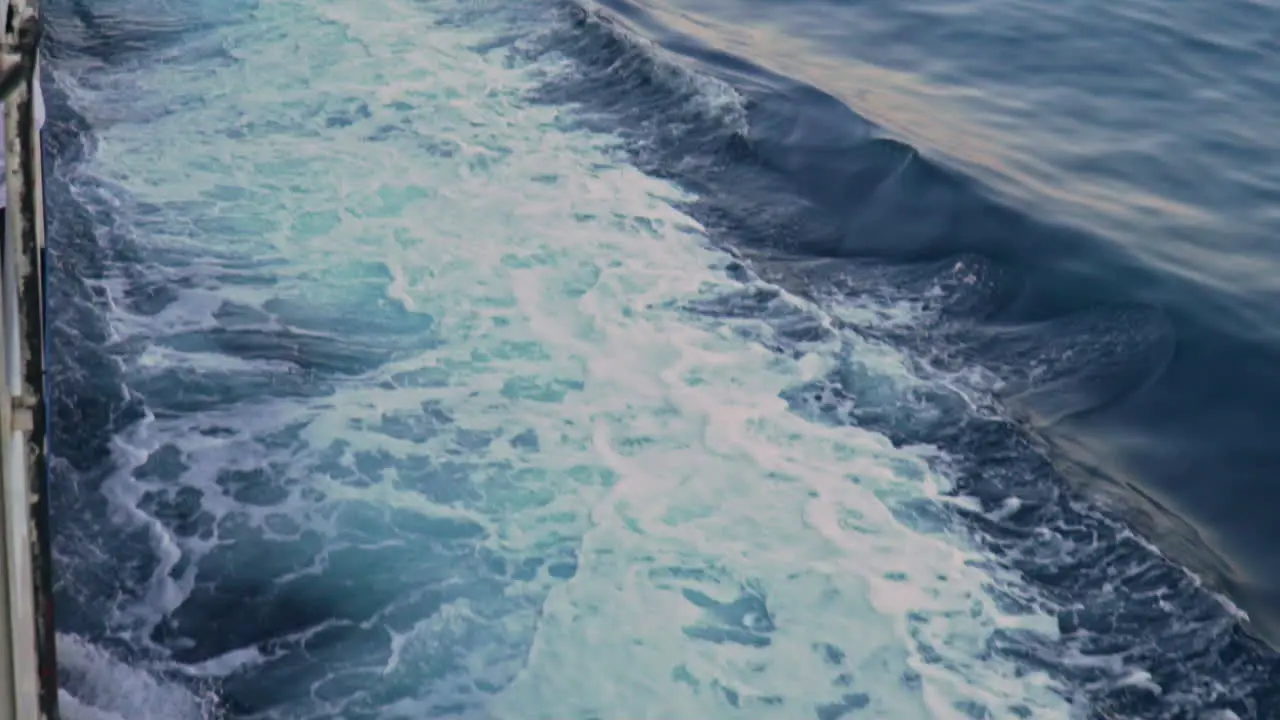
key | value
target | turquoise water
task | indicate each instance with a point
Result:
(471, 359)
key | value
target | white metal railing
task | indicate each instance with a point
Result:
(28, 669)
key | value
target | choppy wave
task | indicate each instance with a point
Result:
(896, 248)
(468, 361)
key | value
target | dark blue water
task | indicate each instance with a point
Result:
(1095, 189)
(1109, 158)
(1077, 203)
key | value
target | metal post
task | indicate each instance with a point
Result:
(28, 669)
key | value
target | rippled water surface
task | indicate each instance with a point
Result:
(664, 359)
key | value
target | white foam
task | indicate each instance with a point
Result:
(102, 687)
(733, 559)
